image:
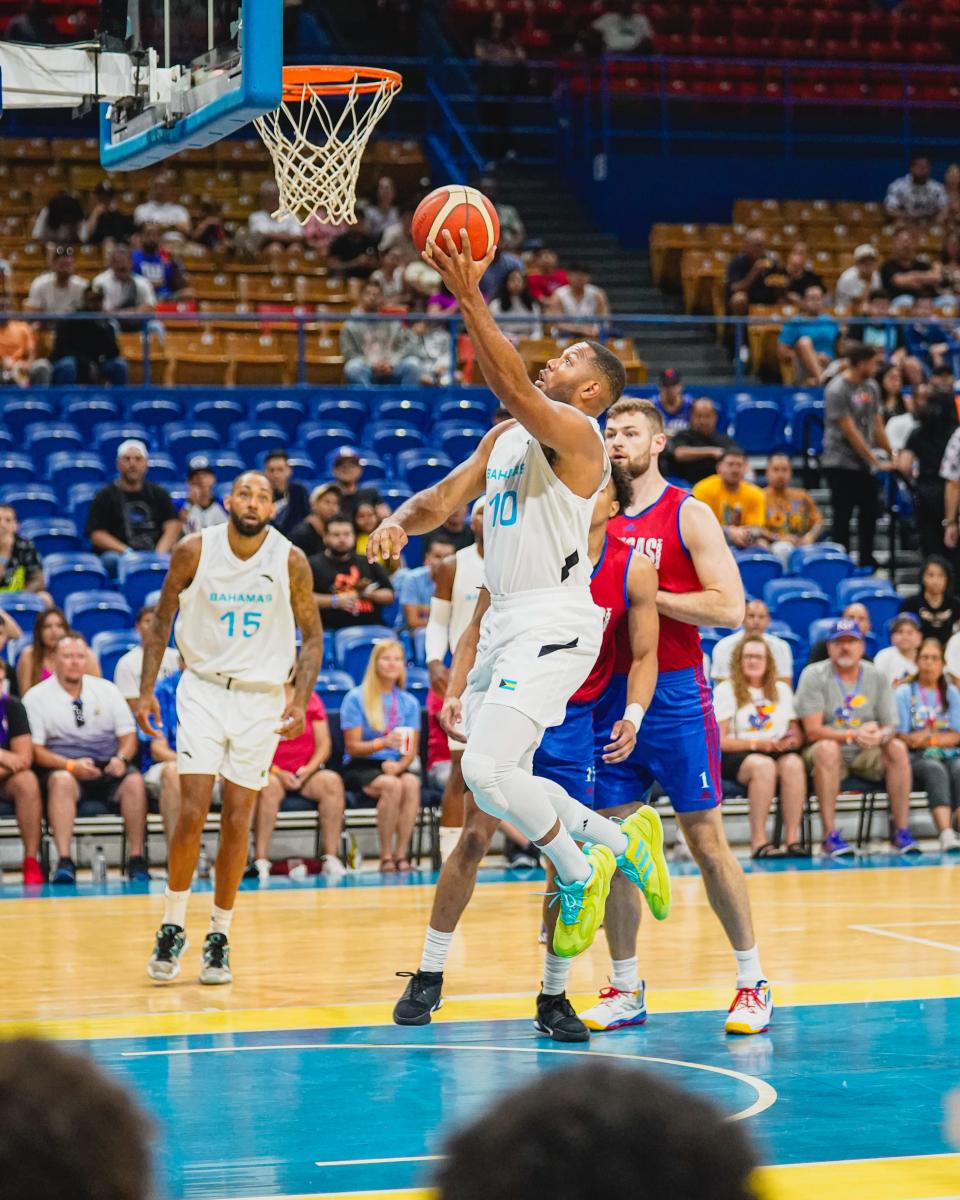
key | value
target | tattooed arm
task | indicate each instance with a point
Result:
(183, 567)
(311, 652)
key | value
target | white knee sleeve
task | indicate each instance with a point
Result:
(482, 774)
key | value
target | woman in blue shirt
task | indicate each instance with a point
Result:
(381, 733)
(928, 712)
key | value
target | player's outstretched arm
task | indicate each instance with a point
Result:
(559, 426)
(307, 617)
(180, 573)
(464, 656)
(643, 623)
(721, 602)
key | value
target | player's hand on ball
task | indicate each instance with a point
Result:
(460, 271)
(386, 541)
(292, 723)
(148, 715)
(624, 739)
(451, 719)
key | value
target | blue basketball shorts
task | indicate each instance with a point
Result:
(565, 754)
(678, 744)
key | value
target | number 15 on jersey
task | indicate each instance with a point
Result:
(248, 626)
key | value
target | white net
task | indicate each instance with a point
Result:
(317, 140)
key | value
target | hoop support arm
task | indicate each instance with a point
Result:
(67, 76)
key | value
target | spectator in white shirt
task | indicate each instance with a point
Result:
(514, 300)
(898, 663)
(756, 621)
(173, 218)
(85, 742)
(857, 282)
(272, 233)
(122, 291)
(624, 31)
(58, 290)
(915, 196)
(581, 303)
(202, 508)
(126, 674)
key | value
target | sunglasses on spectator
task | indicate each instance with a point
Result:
(78, 712)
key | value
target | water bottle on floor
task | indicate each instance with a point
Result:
(203, 864)
(99, 866)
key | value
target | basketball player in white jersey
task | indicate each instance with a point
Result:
(541, 474)
(241, 590)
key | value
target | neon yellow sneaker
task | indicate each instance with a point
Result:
(643, 862)
(582, 905)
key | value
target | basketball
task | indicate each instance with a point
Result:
(456, 208)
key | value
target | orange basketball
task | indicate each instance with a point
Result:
(455, 208)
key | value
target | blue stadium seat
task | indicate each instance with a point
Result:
(320, 441)
(374, 468)
(458, 441)
(394, 493)
(327, 646)
(332, 686)
(31, 500)
(418, 683)
(806, 428)
(163, 469)
(17, 468)
(710, 636)
(820, 629)
(757, 568)
(786, 586)
(19, 412)
(107, 438)
(65, 468)
(67, 573)
(252, 442)
(287, 415)
(349, 414)
(85, 415)
(351, 647)
(141, 573)
(303, 467)
(79, 496)
(221, 414)
(757, 426)
(827, 568)
(157, 411)
(110, 646)
(387, 438)
(8, 443)
(93, 612)
(880, 598)
(798, 608)
(13, 650)
(414, 414)
(191, 437)
(53, 535)
(465, 412)
(226, 464)
(422, 469)
(43, 438)
(23, 607)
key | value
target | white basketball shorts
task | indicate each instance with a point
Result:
(536, 649)
(227, 732)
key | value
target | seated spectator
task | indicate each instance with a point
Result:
(928, 462)
(347, 470)
(672, 402)
(38, 660)
(377, 351)
(156, 264)
(514, 300)
(849, 718)
(545, 276)
(905, 273)
(431, 345)
(739, 506)
(512, 231)
(209, 230)
(861, 279)
(300, 769)
(106, 222)
(789, 284)
(131, 513)
(126, 674)
(415, 589)
(326, 500)
(348, 590)
(928, 721)
(893, 403)
(915, 197)
(18, 783)
(808, 342)
(396, 236)
(122, 291)
(268, 232)
(696, 451)
(59, 220)
(201, 509)
(504, 261)
(159, 209)
(381, 733)
(759, 742)
(884, 338)
(442, 302)
(290, 497)
(793, 518)
(20, 567)
(354, 254)
(898, 663)
(856, 612)
(88, 351)
(57, 290)
(85, 745)
(623, 29)
(19, 365)
(745, 275)
(455, 531)
(389, 277)
(581, 303)
(928, 340)
(936, 605)
(756, 623)
(383, 211)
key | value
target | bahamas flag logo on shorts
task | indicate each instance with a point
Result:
(508, 685)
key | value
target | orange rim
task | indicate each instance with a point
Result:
(337, 81)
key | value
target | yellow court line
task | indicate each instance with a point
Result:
(493, 1008)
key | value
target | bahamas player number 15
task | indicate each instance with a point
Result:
(503, 508)
(248, 627)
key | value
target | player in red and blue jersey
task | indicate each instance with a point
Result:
(680, 747)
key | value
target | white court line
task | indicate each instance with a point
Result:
(766, 1095)
(906, 937)
(373, 1162)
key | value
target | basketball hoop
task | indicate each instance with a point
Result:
(316, 148)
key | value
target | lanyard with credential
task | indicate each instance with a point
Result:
(845, 711)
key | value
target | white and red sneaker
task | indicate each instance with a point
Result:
(616, 1010)
(751, 1009)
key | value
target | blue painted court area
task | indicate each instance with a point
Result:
(354, 1109)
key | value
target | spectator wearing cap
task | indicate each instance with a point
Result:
(325, 502)
(415, 589)
(349, 591)
(672, 402)
(850, 719)
(857, 282)
(201, 509)
(347, 471)
(853, 612)
(126, 674)
(916, 197)
(793, 518)
(739, 506)
(58, 290)
(290, 497)
(88, 351)
(131, 513)
(898, 663)
(808, 342)
(695, 452)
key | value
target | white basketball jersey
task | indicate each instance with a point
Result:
(467, 581)
(535, 528)
(235, 617)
